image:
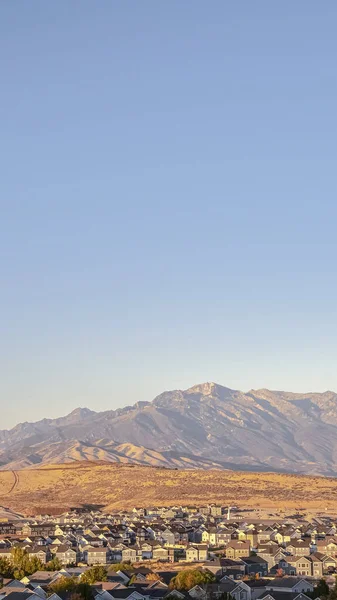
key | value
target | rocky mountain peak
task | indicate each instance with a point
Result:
(81, 413)
(209, 388)
(206, 389)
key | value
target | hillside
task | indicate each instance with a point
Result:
(56, 488)
(206, 426)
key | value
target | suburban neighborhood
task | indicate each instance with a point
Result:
(198, 552)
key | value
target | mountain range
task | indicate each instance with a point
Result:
(207, 426)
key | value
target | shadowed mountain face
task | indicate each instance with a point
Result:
(206, 426)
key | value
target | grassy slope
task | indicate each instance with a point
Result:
(57, 487)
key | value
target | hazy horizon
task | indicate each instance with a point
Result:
(167, 201)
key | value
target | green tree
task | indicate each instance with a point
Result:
(95, 573)
(6, 568)
(70, 585)
(322, 589)
(85, 591)
(23, 564)
(19, 558)
(32, 565)
(185, 580)
(63, 584)
(53, 565)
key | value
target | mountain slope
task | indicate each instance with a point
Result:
(207, 426)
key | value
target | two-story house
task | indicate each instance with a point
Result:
(237, 548)
(96, 556)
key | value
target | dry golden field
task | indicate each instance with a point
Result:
(55, 488)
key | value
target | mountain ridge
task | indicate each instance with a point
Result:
(206, 426)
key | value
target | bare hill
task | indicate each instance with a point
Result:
(58, 487)
(206, 426)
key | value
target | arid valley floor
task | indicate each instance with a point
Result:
(57, 487)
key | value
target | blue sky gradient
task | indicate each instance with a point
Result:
(168, 200)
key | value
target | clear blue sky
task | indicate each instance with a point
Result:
(168, 200)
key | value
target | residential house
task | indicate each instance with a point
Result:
(283, 568)
(255, 565)
(7, 528)
(252, 537)
(212, 537)
(146, 551)
(160, 553)
(67, 555)
(197, 553)
(257, 587)
(283, 535)
(329, 564)
(129, 554)
(168, 537)
(43, 555)
(197, 593)
(264, 534)
(237, 548)
(301, 565)
(215, 510)
(224, 536)
(96, 556)
(308, 566)
(235, 569)
(238, 590)
(299, 547)
(39, 529)
(331, 548)
(290, 584)
(283, 596)
(272, 554)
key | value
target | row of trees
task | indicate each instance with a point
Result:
(185, 580)
(21, 564)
